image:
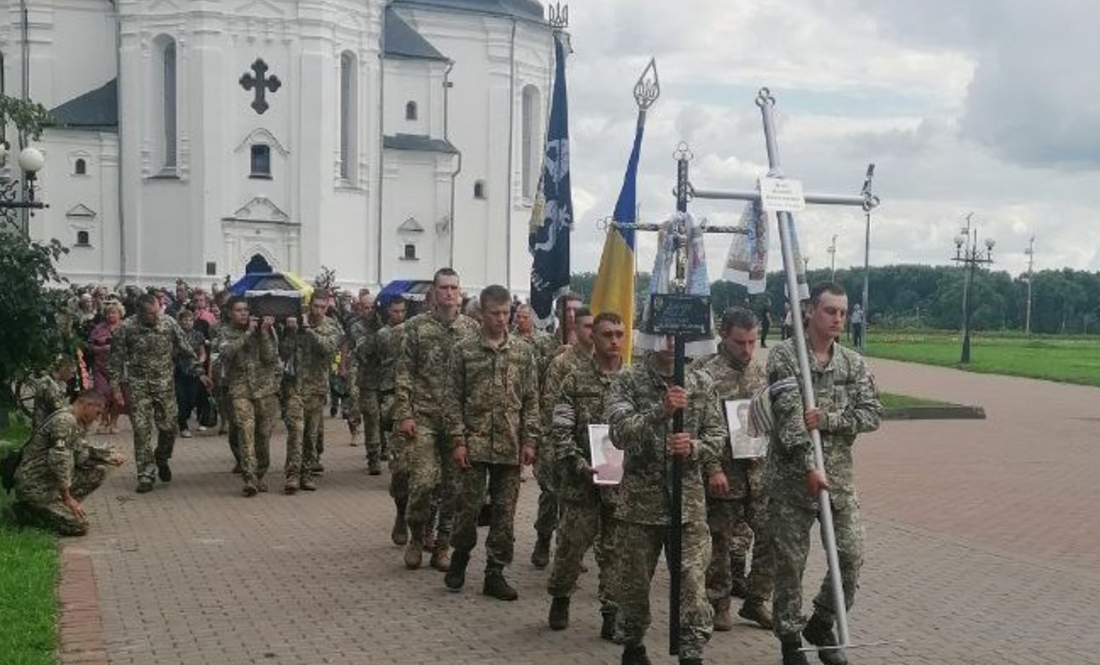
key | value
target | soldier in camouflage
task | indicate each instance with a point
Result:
(59, 469)
(847, 405)
(492, 420)
(144, 353)
(250, 358)
(738, 377)
(640, 410)
(389, 343)
(51, 391)
(307, 351)
(419, 409)
(367, 355)
(587, 509)
(365, 324)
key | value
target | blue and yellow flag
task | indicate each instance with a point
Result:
(614, 287)
(549, 236)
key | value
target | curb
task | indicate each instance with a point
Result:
(944, 412)
(80, 623)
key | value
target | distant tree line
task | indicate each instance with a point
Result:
(916, 296)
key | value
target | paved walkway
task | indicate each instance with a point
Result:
(983, 547)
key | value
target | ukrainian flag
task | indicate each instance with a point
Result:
(613, 290)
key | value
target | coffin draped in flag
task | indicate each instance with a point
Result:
(549, 235)
(613, 290)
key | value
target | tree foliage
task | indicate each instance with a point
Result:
(29, 117)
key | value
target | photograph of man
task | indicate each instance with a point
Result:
(607, 460)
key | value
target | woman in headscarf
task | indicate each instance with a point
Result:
(99, 342)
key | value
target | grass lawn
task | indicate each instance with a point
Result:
(1065, 359)
(28, 586)
(895, 401)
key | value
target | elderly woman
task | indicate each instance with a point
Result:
(99, 343)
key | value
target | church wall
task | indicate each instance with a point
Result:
(415, 212)
(414, 81)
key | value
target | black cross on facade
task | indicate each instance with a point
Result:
(261, 83)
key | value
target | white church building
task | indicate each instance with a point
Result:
(380, 138)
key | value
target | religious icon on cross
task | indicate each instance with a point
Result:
(261, 83)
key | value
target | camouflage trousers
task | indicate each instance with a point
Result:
(370, 406)
(503, 481)
(724, 517)
(304, 418)
(225, 410)
(430, 470)
(42, 507)
(255, 419)
(351, 407)
(546, 520)
(747, 484)
(639, 547)
(789, 526)
(148, 410)
(583, 524)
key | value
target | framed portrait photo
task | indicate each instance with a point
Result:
(607, 460)
(737, 420)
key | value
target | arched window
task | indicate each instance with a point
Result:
(82, 239)
(410, 111)
(80, 167)
(530, 140)
(409, 252)
(165, 100)
(349, 98)
(261, 161)
(479, 189)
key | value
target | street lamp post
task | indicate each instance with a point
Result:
(969, 254)
(1030, 251)
(832, 260)
(17, 196)
(871, 202)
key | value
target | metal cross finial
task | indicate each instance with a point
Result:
(764, 98)
(558, 16)
(683, 191)
(261, 83)
(648, 88)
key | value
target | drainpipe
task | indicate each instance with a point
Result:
(118, 104)
(447, 137)
(25, 67)
(511, 150)
(381, 133)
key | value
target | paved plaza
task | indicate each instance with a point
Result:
(983, 547)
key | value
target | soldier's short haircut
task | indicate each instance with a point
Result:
(233, 300)
(318, 294)
(147, 299)
(443, 272)
(826, 287)
(582, 311)
(604, 317)
(738, 317)
(90, 395)
(395, 300)
(185, 314)
(494, 294)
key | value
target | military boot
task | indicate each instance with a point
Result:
(740, 586)
(455, 578)
(441, 558)
(792, 651)
(723, 622)
(291, 485)
(414, 550)
(249, 488)
(691, 661)
(559, 613)
(498, 587)
(541, 556)
(400, 532)
(607, 625)
(635, 655)
(164, 472)
(758, 612)
(261, 484)
(819, 632)
(374, 466)
(144, 485)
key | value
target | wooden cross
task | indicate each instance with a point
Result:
(261, 83)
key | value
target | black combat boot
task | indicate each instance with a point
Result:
(400, 533)
(792, 650)
(607, 625)
(740, 587)
(819, 632)
(635, 655)
(455, 578)
(541, 556)
(498, 587)
(559, 613)
(164, 472)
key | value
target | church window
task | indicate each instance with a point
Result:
(530, 141)
(80, 167)
(409, 252)
(479, 189)
(261, 161)
(349, 97)
(168, 100)
(410, 111)
(82, 239)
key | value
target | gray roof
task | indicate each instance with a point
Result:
(525, 9)
(404, 42)
(418, 142)
(97, 109)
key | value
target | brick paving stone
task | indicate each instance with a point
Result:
(982, 548)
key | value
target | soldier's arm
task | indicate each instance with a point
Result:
(59, 455)
(185, 351)
(269, 349)
(116, 362)
(325, 341)
(555, 376)
(790, 433)
(631, 422)
(531, 417)
(287, 345)
(454, 399)
(403, 376)
(564, 437)
(863, 412)
(712, 432)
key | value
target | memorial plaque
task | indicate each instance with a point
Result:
(679, 314)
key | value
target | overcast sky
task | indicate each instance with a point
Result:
(983, 106)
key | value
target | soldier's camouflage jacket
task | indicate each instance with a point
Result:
(249, 362)
(307, 356)
(581, 401)
(845, 392)
(368, 360)
(49, 396)
(492, 400)
(640, 428)
(54, 451)
(146, 356)
(389, 344)
(560, 367)
(422, 367)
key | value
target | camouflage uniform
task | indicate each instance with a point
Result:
(640, 428)
(352, 406)
(251, 366)
(389, 344)
(58, 457)
(368, 375)
(49, 396)
(307, 356)
(744, 509)
(587, 510)
(145, 357)
(546, 347)
(225, 404)
(420, 384)
(492, 408)
(846, 394)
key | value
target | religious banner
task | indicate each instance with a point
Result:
(747, 261)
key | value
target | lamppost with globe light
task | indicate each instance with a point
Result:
(18, 194)
(970, 254)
